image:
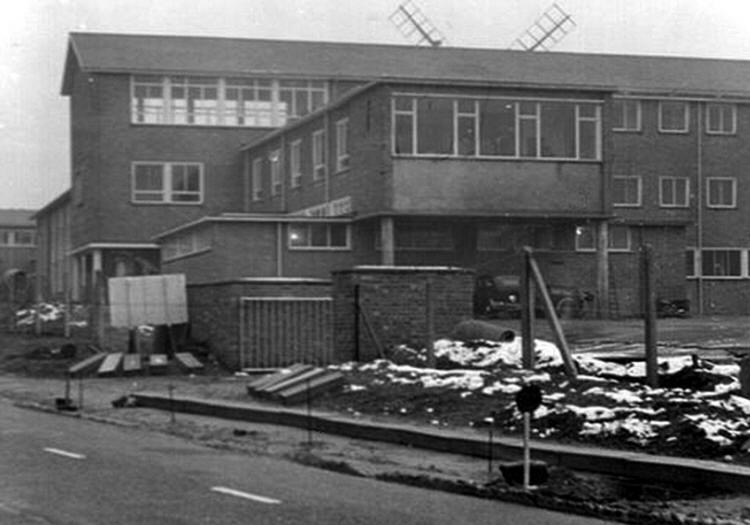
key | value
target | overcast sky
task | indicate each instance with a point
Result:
(34, 128)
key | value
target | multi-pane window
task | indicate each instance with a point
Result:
(248, 102)
(492, 237)
(619, 238)
(626, 191)
(185, 244)
(319, 154)
(295, 163)
(626, 114)
(674, 192)
(168, 182)
(219, 101)
(275, 161)
(721, 263)
(721, 119)
(297, 98)
(318, 236)
(17, 237)
(496, 128)
(722, 192)
(674, 116)
(585, 238)
(342, 144)
(423, 237)
(257, 180)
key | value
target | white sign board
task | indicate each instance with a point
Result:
(150, 299)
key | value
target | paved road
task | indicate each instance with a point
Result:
(63, 471)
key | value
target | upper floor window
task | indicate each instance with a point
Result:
(275, 159)
(319, 236)
(17, 237)
(626, 191)
(674, 192)
(168, 182)
(319, 154)
(342, 144)
(721, 119)
(626, 114)
(722, 192)
(220, 101)
(295, 165)
(674, 116)
(257, 180)
(496, 128)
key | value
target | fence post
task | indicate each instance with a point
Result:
(100, 301)
(430, 324)
(649, 294)
(527, 310)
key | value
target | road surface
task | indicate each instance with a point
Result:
(63, 471)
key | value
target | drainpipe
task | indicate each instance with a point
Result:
(699, 208)
(327, 157)
(280, 249)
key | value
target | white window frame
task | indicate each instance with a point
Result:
(274, 159)
(342, 144)
(257, 179)
(638, 115)
(639, 183)
(328, 247)
(12, 235)
(629, 237)
(687, 192)
(458, 115)
(710, 204)
(685, 119)
(295, 163)
(743, 263)
(166, 187)
(319, 154)
(412, 114)
(578, 246)
(185, 244)
(722, 120)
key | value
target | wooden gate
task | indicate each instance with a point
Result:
(278, 331)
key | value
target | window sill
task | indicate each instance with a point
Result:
(437, 156)
(674, 131)
(632, 206)
(627, 130)
(319, 248)
(719, 278)
(163, 203)
(721, 133)
(720, 207)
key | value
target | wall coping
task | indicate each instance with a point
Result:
(262, 280)
(404, 269)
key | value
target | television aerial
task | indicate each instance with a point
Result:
(414, 25)
(546, 31)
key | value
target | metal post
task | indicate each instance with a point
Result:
(649, 295)
(430, 324)
(356, 323)
(67, 388)
(309, 414)
(489, 453)
(527, 310)
(526, 450)
(80, 392)
(171, 403)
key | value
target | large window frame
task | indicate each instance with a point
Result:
(342, 144)
(586, 238)
(327, 236)
(718, 122)
(170, 190)
(627, 115)
(467, 128)
(185, 244)
(295, 163)
(674, 192)
(716, 192)
(665, 105)
(319, 154)
(627, 192)
(17, 238)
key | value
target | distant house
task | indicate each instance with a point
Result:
(226, 158)
(17, 241)
(53, 247)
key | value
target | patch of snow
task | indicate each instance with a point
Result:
(499, 386)
(592, 413)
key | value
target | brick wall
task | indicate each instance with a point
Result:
(394, 302)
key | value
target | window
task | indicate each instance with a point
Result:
(257, 179)
(298, 98)
(167, 182)
(214, 101)
(423, 237)
(184, 244)
(721, 263)
(318, 236)
(248, 102)
(195, 100)
(585, 238)
(319, 154)
(275, 159)
(342, 144)
(295, 168)
(690, 262)
(20, 238)
(462, 127)
(626, 115)
(673, 192)
(496, 237)
(721, 119)
(619, 238)
(626, 191)
(673, 116)
(722, 192)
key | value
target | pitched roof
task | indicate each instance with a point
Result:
(16, 218)
(99, 52)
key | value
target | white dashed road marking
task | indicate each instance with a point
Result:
(246, 495)
(64, 453)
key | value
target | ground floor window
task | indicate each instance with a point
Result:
(717, 263)
(318, 236)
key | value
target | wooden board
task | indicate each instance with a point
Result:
(188, 361)
(87, 365)
(131, 363)
(111, 364)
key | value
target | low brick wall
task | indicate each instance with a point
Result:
(393, 301)
(214, 312)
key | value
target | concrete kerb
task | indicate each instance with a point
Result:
(634, 465)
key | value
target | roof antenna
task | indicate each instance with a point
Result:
(546, 31)
(414, 25)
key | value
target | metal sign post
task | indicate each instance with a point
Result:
(528, 400)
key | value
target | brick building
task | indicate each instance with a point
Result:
(228, 158)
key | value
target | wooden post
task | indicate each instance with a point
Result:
(527, 310)
(526, 450)
(356, 322)
(430, 324)
(100, 302)
(649, 295)
(554, 322)
(66, 300)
